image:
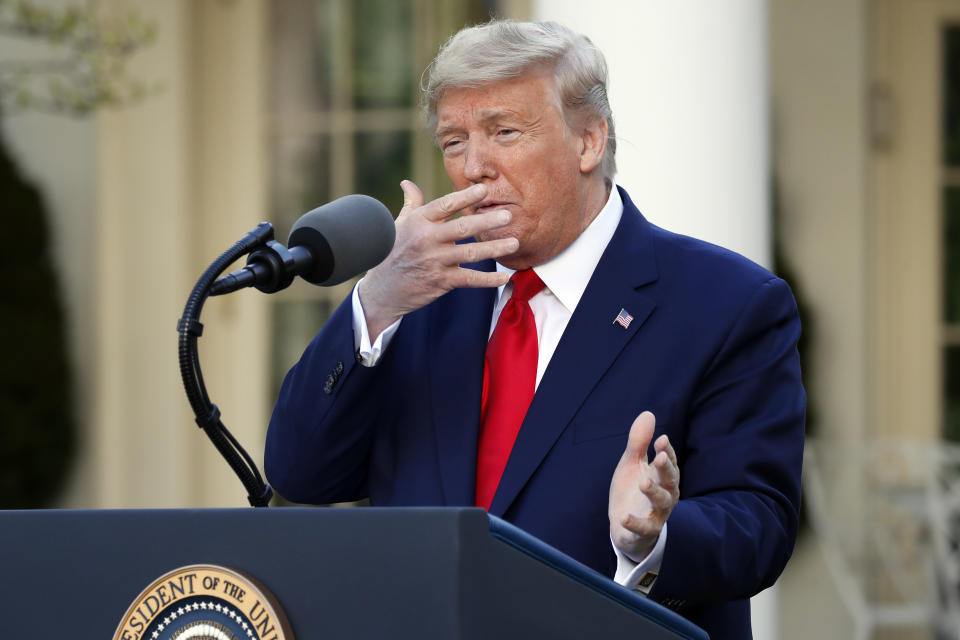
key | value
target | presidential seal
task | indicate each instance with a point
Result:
(204, 602)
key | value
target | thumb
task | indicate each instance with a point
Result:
(641, 433)
(412, 197)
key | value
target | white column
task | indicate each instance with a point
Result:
(689, 90)
(690, 97)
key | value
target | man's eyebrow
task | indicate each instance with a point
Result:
(442, 131)
(484, 115)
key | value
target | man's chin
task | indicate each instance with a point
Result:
(516, 262)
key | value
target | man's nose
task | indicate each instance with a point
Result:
(478, 163)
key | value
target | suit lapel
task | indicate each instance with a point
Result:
(458, 340)
(589, 345)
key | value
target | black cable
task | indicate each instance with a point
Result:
(243, 452)
(198, 375)
(208, 414)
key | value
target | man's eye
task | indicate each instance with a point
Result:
(506, 132)
(449, 145)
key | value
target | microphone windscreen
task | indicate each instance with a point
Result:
(346, 237)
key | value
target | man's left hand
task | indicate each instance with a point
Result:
(642, 493)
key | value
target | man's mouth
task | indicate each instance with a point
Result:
(490, 205)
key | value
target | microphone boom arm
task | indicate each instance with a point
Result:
(190, 329)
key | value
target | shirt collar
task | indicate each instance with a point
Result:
(567, 274)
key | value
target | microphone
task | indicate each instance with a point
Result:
(327, 246)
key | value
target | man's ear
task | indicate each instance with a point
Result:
(593, 138)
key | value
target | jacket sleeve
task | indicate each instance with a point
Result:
(321, 431)
(735, 525)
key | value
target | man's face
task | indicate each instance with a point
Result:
(512, 137)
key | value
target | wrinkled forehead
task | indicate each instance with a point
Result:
(528, 95)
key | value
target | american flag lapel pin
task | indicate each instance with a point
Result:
(623, 319)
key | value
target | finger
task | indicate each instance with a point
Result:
(668, 475)
(444, 207)
(473, 279)
(641, 432)
(477, 251)
(412, 197)
(663, 444)
(661, 499)
(639, 525)
(469, 226)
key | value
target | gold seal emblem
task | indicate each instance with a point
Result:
(204, 602)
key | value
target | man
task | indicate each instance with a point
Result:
(451, 379)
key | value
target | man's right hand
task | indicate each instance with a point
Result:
(643, 493)
(425, 261)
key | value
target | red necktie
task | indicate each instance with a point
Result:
(509, 380)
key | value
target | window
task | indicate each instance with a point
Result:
(950, 190)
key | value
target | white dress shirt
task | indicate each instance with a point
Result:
(565, 278)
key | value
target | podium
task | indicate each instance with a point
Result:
(450, 573)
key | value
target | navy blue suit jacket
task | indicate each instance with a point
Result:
(711, 352)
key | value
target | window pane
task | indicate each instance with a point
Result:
(300, 64)
(951, 255)
(383, 75)
(951, 394)
(301, 179)
(951, 96)
(382, 161)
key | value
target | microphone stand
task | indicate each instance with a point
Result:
(208, 414)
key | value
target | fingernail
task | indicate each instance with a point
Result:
(515, 244)
(504, 216)
(478, 189)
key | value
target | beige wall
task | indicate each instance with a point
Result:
(908, 261)
(819, 67)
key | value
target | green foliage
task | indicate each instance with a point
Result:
(36, 417)
(85, 69)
